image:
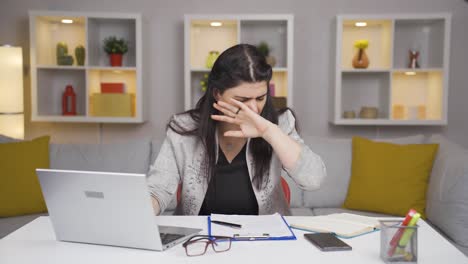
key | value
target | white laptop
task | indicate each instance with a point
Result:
(105, 208)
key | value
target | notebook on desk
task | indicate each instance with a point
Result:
(250, 227)
(343, 225)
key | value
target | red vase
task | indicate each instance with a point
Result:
(116, 60)
(69, 101)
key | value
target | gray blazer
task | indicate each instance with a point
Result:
(181, 160)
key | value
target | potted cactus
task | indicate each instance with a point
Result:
(115, 48)
(80, 55)
(62, 54)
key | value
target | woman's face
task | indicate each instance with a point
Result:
(252, 94)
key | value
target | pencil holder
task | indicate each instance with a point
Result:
(398, 244)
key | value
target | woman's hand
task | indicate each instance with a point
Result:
(251, 124)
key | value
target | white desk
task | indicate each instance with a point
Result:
(35, 243)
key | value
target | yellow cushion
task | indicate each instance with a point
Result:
(389, 178)
(20, 192)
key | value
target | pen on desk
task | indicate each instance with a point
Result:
(226, 224)
(250, 237)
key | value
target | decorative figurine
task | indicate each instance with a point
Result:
(69, 101)
(413, 59)
(360, 60)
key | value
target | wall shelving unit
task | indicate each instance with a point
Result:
(403, 95)
(201, 38)
(48, 80)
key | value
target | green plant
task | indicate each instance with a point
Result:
(114, 45)
(263, 48)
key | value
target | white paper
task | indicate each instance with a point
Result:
(252, 226)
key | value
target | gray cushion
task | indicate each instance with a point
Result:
(132, 157)
(10, 224)
(302, 211)
(447, 195)
(336, 154)
(5, 139)
(327, 211)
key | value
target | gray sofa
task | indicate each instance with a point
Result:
(447, 196)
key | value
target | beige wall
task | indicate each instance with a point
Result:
(313, 65)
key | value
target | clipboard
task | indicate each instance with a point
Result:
(238, 236)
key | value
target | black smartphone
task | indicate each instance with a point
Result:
(327, 242)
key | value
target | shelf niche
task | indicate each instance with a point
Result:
(102, 28)
(423, 89)
(366, 89)
(379, 35)
(205, 38)
(274, 33)
(51, 84)
(50, 31)
(426, 36)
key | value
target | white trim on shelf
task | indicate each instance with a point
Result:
(418, 70)
(84, 14)
(396, 16)
(187, 65)
(388, 122)
(290, 62)
(364, 70)
(200, 70)
(280, 69)
(109, 68)
(86, 119)
(60, 67)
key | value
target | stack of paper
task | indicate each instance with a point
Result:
(343, 225)
(253, 226)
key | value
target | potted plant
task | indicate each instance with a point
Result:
(264, 49)
(115, 48)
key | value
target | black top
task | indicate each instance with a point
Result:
(230, 190)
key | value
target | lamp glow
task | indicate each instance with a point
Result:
(216, 24)
(11, 90)
(410, 73)
(67, 21)
(360, 24)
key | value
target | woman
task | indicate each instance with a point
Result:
(228, 152)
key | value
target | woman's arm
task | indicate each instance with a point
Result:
(300, 162)
(286, 148)
(157, 209)
(163, 176)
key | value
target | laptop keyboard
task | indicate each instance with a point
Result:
(167, 238)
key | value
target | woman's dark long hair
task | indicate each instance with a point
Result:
(242, 63)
